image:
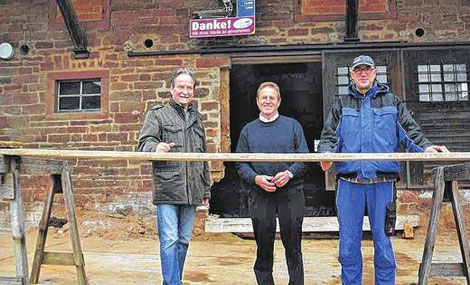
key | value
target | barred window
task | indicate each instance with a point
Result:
(79, 95)
(442, 82)
(343, 79)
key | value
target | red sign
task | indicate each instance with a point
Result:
(219, 27)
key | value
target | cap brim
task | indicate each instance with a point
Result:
(362, 63)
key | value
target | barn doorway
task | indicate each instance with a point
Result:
(301, 91)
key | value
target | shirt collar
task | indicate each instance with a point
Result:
(265, 120)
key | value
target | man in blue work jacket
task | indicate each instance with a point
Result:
(369, 119)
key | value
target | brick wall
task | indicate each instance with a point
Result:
(135, 84)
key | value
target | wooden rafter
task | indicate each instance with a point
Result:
(76, 32)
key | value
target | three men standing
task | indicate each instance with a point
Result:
(178, 186)
(370, 119)
(275, 187)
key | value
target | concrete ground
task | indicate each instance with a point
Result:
(216, 259)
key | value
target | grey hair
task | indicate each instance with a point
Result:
(183, 70)
(270, 85)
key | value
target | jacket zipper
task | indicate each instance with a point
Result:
(185, 150)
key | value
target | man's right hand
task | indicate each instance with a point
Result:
(325, 165)
(265, 183)
(164, 147)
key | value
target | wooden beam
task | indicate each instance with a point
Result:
(237, 157)
(311, 224)
(352, 8)
(76, 32)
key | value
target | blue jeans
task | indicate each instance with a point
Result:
(351, 200)
(175, 225)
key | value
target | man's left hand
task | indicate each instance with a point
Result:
(281, 179)
(436, 148)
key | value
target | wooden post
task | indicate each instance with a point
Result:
(446, 185)
(43, 227)
(17, 223)
(77, 249)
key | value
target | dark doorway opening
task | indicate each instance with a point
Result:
(301, 92)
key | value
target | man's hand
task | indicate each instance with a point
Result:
(281, 179)
(164, 147)
(205, 202)
(264, 182)
(325, 165)
(436, 148)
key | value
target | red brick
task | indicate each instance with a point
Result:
(125, 118)
(209, 62)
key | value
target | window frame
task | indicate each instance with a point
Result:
(52, 94)
(442, 82)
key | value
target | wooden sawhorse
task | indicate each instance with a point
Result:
(61, 182)
(446, 188)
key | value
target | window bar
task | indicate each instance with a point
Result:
(428, 69)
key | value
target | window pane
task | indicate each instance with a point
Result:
(423, 77)
(69, 103)
(343, 70)
(69, 88)
(91, 87)
(422, 68)
(382, 78)
(436, 88)
(423, 88)
(381, 69)
(448, 68)
(424, 97)
(449, 77)
(464, 94)
(343, 90)
(344, 80)
(91, 102)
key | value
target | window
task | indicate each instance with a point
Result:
(343, 79)
(442, 82)
(79, 96)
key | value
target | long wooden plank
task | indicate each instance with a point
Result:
(259, 157)
(58, 258)
(311, 224)
(457, 172)
(31, 165)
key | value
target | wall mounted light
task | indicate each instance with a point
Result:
(7, 51)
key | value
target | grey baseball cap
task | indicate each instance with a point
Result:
(362, 59)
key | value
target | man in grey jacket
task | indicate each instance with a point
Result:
(179, 187)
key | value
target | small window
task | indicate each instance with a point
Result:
(343, 78)
(442, 82)
(79, 95)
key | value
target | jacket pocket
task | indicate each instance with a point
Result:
(199, 138)
(350, 130)
(173, 134)
(385, 127)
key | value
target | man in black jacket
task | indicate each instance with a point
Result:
(178, 186)
(370, 119)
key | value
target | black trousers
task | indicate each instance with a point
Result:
(289, 206)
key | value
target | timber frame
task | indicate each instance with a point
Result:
(76, 32)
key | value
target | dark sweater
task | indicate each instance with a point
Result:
(284, 135)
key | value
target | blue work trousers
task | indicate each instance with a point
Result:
(351, 200)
